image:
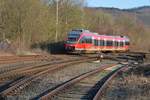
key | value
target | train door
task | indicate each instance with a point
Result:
(99, 49)
(85, 42)
(116, 45)
(93, 40)
(102, 44)
(88, 42)
(121, 45)
(113, 44)
(105, 42)
(124, 44)
(127, 45)
(81, 43)
(109, 45)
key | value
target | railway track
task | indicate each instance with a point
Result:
(21, 83)
(8, 73)
(14, 59)
(28, 61)
(63, 91)
(106, 80)
(78, 85)
(30, 70)
(18, 65)
(23, 77)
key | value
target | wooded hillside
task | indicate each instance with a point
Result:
(28, 22)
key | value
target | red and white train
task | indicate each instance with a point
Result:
(81, 40)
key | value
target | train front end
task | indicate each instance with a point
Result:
(72, 40)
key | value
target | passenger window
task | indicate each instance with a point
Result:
(86, 39)
(109, 43)
(101, 42)
(127, 43)
(83, 41)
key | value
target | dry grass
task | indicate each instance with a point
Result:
(128, 87)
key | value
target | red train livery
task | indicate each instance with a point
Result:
(84, 40)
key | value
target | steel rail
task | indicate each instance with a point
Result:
(50, 94)
(30, 69)
(23, 83)
(107, 81)
(13, 59)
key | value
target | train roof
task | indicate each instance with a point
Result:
(109, 37)
(80, 30)
(96, 35)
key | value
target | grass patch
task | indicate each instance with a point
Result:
(133, 85)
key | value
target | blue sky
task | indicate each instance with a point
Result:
(123, 4)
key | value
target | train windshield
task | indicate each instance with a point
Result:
(73, 36)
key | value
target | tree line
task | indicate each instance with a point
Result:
(27, 22)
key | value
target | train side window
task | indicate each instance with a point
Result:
(86, 39)
(127, 43)
(121, 44)
(89, 41)
(101, 42)
(82, 40)
(109, 43)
